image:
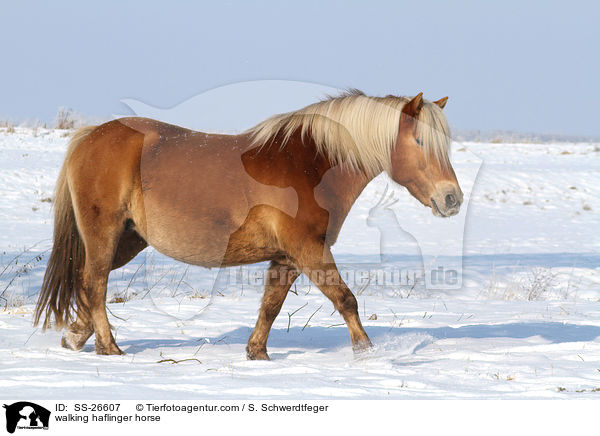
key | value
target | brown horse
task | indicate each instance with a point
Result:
(278, 192)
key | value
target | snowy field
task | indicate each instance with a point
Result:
(524, 323)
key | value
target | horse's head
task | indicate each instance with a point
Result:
(420, 159)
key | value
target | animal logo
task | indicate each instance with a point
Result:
(392, 235)
(383, 217)
(24, 414)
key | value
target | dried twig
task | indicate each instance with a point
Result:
(178, 361)
(292, 314)
(181, 279)
(157, 282)
(134, 274)
(116, 316)
(310, 317)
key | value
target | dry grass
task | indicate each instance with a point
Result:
(12, 275)
(533, 284)
(539, 282)
(65, 119)
(8, 125)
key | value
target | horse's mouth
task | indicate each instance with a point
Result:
(437, 212)
(435, 209)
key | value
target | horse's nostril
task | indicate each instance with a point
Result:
(451, 200)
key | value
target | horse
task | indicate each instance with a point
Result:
(278, 192)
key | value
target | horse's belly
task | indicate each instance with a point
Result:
(210, 244)
(203, 208)
(198, 237)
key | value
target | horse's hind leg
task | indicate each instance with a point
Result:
(99, 253)
(77, 334)
(100, 219)
(279, 279)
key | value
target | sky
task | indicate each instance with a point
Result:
(511, 65)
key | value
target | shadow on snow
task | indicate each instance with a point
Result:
(330, 338)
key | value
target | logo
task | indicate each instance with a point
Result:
(26, 415)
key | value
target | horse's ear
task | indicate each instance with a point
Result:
(442, 102)
(413, 107)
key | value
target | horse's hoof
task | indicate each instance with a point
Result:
(111, 350)
(362, 347)
(74, 341)
(256, 355)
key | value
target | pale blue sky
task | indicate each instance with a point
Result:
(525, 66)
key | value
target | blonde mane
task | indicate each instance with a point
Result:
(358, 131)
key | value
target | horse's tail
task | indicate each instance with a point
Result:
(63, 277)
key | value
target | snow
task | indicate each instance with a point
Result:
(523, 322)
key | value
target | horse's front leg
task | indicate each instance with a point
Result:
(279, 279)
(316, 261)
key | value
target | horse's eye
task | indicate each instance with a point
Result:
(419, 142)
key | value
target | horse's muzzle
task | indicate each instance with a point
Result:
(446, 202)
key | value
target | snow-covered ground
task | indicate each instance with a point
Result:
(524, 323)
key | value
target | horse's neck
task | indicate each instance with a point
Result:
(333, 188)
(340, 187)
(337, 191)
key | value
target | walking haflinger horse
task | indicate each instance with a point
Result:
(278, 192)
